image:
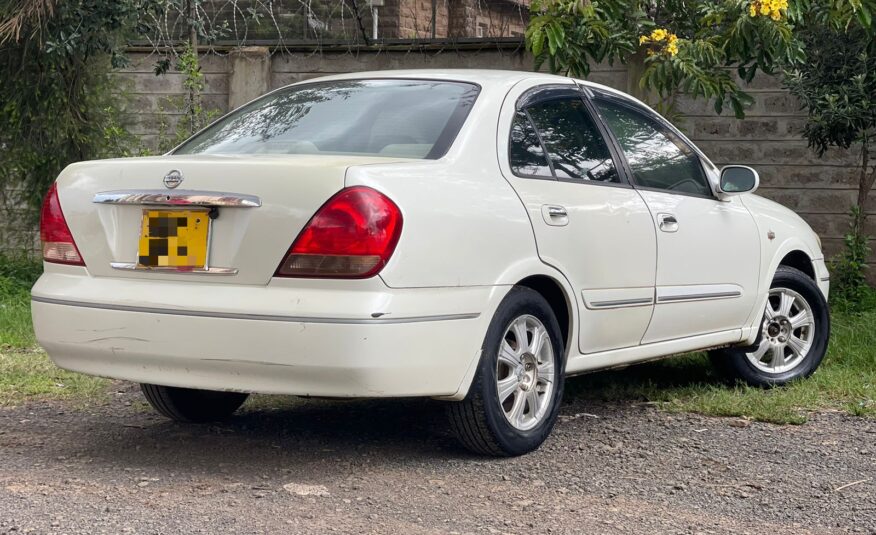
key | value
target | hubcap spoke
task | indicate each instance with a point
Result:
(761, 350)
(520, 334)
(516, 412)
(787, 301)
(546, 371)
(538, 340)
(507, 387)
(508, 356)
(800, 320)
(534, 403)
(778, 356)
(797, 345)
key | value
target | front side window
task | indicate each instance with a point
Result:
(657, 157)
(567, 134)
(390, 117)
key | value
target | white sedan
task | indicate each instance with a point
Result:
(470, 236)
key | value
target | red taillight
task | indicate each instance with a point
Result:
(351, 236)
(58, 244)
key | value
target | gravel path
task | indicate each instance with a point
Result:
(390, 467)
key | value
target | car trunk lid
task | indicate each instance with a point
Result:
(263, 203)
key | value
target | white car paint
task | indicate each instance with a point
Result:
(471, 231)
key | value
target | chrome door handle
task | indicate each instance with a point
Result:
(555, 215)
(667, 222)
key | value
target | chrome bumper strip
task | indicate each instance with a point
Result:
(131, 266)
(177, 198)
(256, 317)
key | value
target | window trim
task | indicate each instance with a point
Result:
(662, 125)
(546, 93)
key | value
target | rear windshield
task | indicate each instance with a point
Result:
(397, 118)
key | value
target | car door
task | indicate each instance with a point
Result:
(588, 222)
(708, 253)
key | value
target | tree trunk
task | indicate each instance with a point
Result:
(193, 31)
(866, 180)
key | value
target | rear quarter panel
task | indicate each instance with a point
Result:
(463, 223)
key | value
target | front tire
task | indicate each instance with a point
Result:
(793, 338)
(190, 405)
(513, 402)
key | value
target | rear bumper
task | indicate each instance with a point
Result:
(423, 343)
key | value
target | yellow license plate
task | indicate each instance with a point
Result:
(174, 238)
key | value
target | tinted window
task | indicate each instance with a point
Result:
(401, 118)
(657, 157)
(573, 142)
(524, 149)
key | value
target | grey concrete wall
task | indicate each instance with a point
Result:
(819, 189)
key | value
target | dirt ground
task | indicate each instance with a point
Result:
(391, 467)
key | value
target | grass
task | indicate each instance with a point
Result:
(26, 373)
(846, 380)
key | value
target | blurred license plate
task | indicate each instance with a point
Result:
(174, 238)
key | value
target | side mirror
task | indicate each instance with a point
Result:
(738, 179)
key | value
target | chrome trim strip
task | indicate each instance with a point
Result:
(177, 198)
(697, 297)
(132, 266)
(825, 279)
(622, 303)
(257, 317)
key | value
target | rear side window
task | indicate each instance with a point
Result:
(397, 118)
(657, 157)
(568, 136)
(526, 154)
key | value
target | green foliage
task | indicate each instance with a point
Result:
(837, 84)
(17, 276)
(56, 97)
(190, 105)
(849, 289)
(20, 271)
(713, 36)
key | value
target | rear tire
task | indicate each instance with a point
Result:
(514, 399)
(794, 334)
(190, 405)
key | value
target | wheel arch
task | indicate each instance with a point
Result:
(792, 253)
(800, 260)
(554, 293)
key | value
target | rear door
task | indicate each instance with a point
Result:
(708, 249)
(588, 222)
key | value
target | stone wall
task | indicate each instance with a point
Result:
(819, 189)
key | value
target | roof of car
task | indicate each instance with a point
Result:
(478, 76)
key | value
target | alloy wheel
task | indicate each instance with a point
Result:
(788, 332)
(525, 372)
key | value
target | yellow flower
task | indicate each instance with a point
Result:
(644, 39)
(658, 35)
(752, 10)
(672, 49)
(672, 38)
(764, 9)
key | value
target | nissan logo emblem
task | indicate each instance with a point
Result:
(173, 179)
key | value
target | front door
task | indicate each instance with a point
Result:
(589, 223)
(707, 249)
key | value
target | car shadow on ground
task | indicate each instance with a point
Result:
(290, 432)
